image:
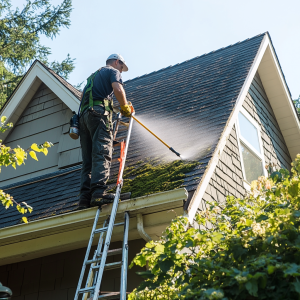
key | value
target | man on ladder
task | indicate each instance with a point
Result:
(96, 130)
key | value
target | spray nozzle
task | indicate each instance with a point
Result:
(174, 151)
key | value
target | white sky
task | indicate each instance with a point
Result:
(154, 34)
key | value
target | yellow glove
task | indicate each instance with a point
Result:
(126, 110)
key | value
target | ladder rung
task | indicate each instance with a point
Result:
(114, 252)
(115, 295)
(124, 124)
(120, 138)
(110, 266)
(109, 253)
(123, 129)
(103, 229)
(85, 290)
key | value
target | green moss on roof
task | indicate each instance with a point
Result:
(145, 178)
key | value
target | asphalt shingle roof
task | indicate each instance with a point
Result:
(187, 104)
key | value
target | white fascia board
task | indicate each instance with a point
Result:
(38, 71)
(199, 193)
(57, 87)
(19, 94)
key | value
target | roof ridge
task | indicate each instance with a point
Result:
(206, 54)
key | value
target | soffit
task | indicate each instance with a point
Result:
(280, 99)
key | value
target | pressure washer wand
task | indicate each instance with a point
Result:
(170, 148)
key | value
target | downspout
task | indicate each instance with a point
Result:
(140, 228)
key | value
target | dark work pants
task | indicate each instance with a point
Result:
(96, 145)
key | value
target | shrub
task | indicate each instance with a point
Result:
(246, 249)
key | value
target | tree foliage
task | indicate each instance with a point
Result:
(297, 104)
(20, 32)
(15, 157)
(246, 249)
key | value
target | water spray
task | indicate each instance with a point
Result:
(170, 148)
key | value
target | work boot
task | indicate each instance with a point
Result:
(100, 199)
(84, 202)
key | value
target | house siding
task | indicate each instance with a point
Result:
(45, 118)
(258, 106)
(227, 178)
(56, 276)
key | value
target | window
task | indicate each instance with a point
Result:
(250, 147)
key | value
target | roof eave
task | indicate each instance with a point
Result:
(72, 230)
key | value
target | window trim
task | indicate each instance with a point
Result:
(255, 152)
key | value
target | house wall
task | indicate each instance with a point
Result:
(258, 106)
(56, 276)
(227, 178)
(46, 118)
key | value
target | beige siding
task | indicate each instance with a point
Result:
(46, 118)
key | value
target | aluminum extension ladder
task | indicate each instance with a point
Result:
(98, 262)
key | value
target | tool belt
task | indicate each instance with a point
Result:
(106, 103)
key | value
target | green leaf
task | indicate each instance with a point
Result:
(140, 260)
(284, 172)
(252, 287)
(35, 147)
(159, 248)
(33, 155)
(217, 236)
(276, 176)
(47, 145)
(293, 189)
(296, 286)
(45, 151)
(166, 265)
(261, 218)
(146, 274)
(271, 269)
(238, 251)
(292, 270)
(189, 243)
(20, 155)
(3, 119)
(263, 282)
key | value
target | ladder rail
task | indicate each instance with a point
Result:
(124, 269)
(87, 254)
(127, 145)
(112, 218)
(90, 278)
(107, 242)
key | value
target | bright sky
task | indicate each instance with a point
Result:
(154, 34)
